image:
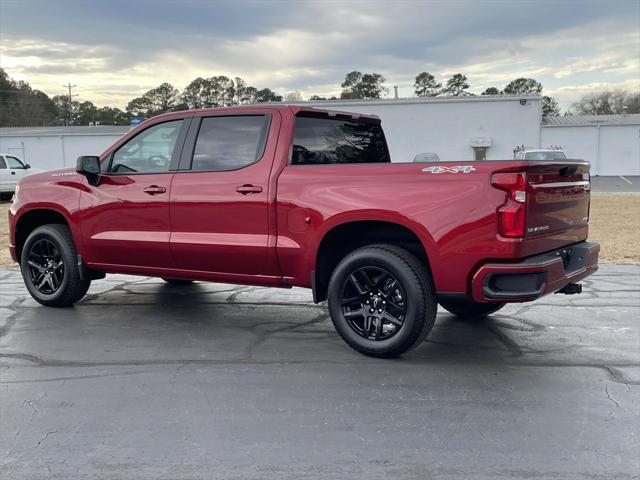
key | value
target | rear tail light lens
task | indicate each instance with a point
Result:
(511, 214)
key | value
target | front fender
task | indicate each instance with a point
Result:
(61, 199)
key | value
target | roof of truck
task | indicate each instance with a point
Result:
(293, 108)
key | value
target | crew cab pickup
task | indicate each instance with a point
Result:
(286, 196)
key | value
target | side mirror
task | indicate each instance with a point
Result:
(89, 166)
(27, 166)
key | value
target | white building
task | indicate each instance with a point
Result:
(455, 128)
(47, 148)
(610, 142)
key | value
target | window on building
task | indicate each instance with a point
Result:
(229, 143)
(320, 141)
(480, 153)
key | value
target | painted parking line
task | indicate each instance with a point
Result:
(630, 183)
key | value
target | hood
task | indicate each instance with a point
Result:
(37, 176)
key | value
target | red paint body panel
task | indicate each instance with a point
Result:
(203, 228)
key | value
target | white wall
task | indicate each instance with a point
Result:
(447, 127)
(611, 149)
(55, 151)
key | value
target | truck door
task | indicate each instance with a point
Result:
(220, 195)
(126, 218)
(15, 169)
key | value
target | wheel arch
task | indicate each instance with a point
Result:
(31, 219)
(343, 237)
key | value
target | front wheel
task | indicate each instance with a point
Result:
(5, 197)
(49, 264)
(469, 309)
(382, 301)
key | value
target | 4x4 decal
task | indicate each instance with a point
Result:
(456, 169)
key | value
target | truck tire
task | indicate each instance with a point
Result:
(49, 264)
(469, 309)
(382, 301)
(177, 281)
(5, 197)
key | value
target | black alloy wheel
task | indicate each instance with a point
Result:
(373, 303)
(381, 300)
(51, 267)
(46, 266)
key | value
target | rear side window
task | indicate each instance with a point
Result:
(229, 143)
(319, 141)
(2, 162)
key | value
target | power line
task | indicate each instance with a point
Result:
(69, 86)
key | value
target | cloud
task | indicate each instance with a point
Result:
(117, 50)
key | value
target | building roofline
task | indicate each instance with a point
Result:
(628, 120)
(419, 100)
(64, 131)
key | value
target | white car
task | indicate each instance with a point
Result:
(539, 154)
(12, 169)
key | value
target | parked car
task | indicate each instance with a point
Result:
(286, 196)
(11, 171)
(426, 157)
(540, 154)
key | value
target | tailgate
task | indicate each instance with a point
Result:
(558, 197)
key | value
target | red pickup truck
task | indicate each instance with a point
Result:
(286, 196)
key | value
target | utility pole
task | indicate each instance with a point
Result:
(69, 86)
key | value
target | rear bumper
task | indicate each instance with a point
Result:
(535, 276)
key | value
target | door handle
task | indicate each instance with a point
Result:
(246, 189)
(13, 173)
(154, 190)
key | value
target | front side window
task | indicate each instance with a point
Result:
(229, 143)
(2, 162)
(14, 163)
(148, 152)
(320, 141)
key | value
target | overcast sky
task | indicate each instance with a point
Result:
(116, 50)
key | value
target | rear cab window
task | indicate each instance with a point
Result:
(329, 141)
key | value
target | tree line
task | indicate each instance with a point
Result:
(21, 105)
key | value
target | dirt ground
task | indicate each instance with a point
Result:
(615, 224)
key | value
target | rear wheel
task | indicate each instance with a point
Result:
(382, 301)
(177, 281)
(5, 197)
(469, 309)
(49, 264)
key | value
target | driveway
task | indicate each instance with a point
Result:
(617, 184)
(143, 380)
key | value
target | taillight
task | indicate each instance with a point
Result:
(511, 215)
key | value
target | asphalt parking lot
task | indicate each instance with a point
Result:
(143, 380)
(617, 184)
